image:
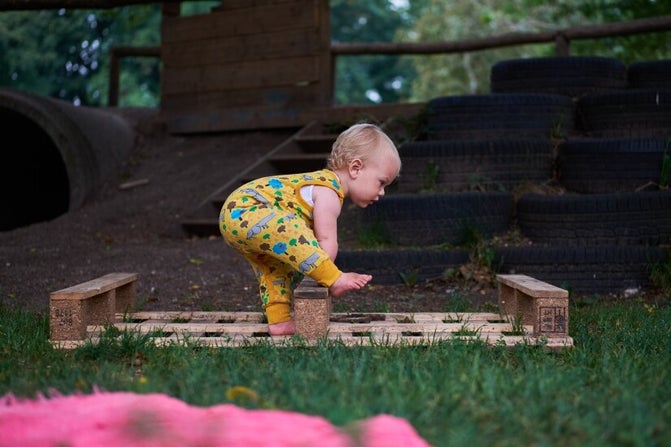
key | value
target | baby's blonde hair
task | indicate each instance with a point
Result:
(359, 141)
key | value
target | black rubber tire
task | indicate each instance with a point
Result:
(483, 165)
(650, 74)
(439, 218)
(571, 76)
(493, 116)
(631, 218)
(592, 166)
(643, 113)
(584, 270)
(389, 266)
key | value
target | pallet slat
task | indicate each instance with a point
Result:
(236, 329)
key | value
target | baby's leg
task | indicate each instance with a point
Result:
(276, 285)
(348, 281)
(285, 328)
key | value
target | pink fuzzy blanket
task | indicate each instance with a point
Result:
(123, 419)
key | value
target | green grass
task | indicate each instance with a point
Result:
(612, 389)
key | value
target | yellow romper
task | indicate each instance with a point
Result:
(271, 225)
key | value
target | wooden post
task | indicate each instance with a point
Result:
(71, 310)
(312, 310)
(536, 302)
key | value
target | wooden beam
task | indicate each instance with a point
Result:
(638, 26)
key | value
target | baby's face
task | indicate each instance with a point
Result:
(375, 174)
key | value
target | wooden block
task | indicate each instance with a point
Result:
(536, 303)
(551, 317)
(532, 286)
(507, 299)
(312, 310)
(66, 320)
(93, 302)
(125, 297)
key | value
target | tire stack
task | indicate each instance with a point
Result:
(598, 128)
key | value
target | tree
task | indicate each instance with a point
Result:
(371, 79)
(64, 54)
(629, 49)
(468, 73)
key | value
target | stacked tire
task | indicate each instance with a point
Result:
(613, 225)
(594, 126)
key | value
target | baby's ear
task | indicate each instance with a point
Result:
(355, 166)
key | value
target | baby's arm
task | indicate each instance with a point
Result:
(325, 217)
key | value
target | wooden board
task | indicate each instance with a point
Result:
(247, 19)
(94, 287)
(246, 65)
(268, 74)
(532, 286)
(235, 329)
(236, 49)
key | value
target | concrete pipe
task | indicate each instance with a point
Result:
(55, 156)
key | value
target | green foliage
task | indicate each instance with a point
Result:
(430, 177)
(69, 57)
(373, 236)
(660, 276)
(410, 279)
(189, 8)
(468, 73)
(371, 78)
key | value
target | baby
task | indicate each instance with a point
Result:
(286, 226)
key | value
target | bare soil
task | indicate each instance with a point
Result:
(139, 230)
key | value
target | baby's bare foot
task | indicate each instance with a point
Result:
(284, 328)
(349, 281)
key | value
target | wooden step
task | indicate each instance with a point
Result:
(316, 143)
(300, 162)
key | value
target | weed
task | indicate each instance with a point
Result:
(665, 174)
(481, 255)
(339, 307)
(409, 279)
(373, 236)
(466, 330)
(516, 325)
(660, 275)
(459, 303)
(586, 300)
(478, 182)
(454, 318)
(430, 177)
(407, 128)
(380, 306)
(408, 319)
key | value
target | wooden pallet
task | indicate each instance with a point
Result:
(532, 312)
(236, 329)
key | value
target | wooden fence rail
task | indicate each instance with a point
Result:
(561, 38)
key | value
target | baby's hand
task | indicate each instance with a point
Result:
(349, 281)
